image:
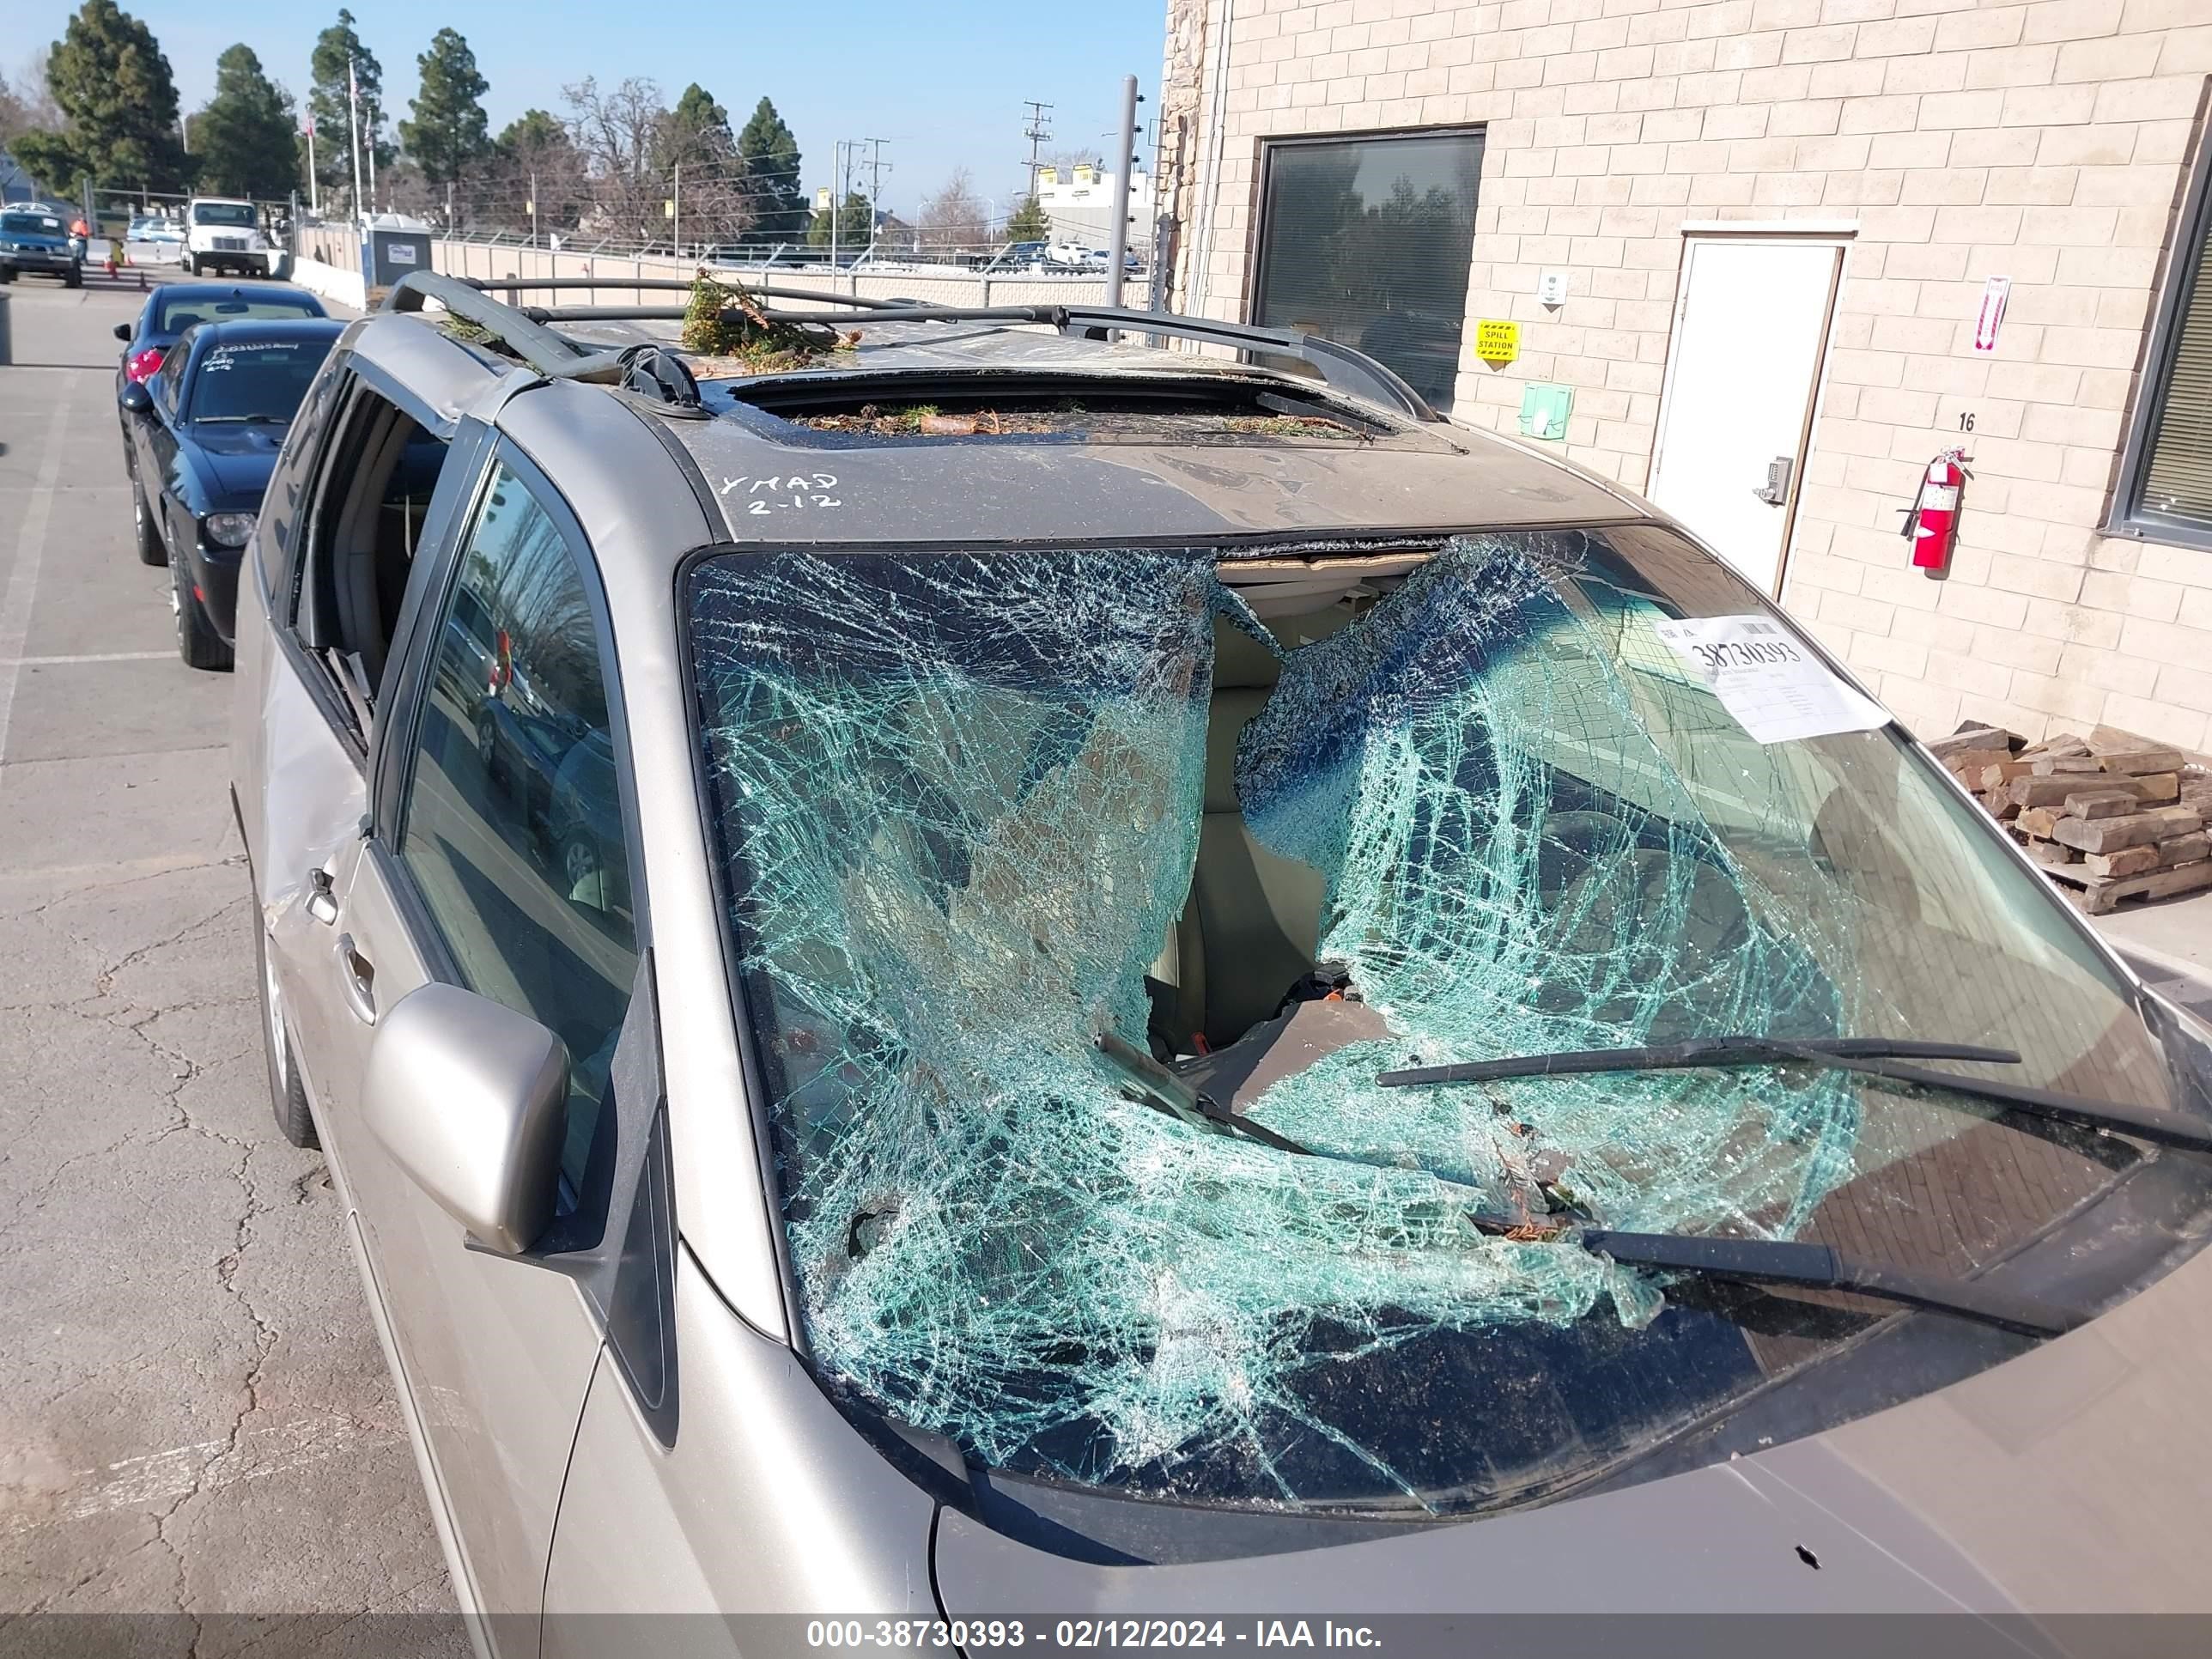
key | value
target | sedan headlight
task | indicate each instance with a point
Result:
(227, 529)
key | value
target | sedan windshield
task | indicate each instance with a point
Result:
(993, 824)
(254, 380)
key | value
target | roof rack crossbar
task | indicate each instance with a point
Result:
(526, 336)
(667, 285)
(523, 328)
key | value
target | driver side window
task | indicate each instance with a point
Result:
(513, 826)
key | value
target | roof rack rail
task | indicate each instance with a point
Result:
(523, 327)
(526, 336)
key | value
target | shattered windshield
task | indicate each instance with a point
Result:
(1286, 824)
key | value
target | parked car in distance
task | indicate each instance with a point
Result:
(153, 240)
(204, 432)
(224, 235)
(1021, 255)
(173, 307)
(33, 239)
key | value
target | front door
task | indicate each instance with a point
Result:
(1750, 330)
(499, 861)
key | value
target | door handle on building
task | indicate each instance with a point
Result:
(1776, 489)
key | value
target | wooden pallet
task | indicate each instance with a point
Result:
(2095, 895)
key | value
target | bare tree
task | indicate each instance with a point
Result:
(1067, 160)
(954, 217)
(25, 104)
(617, 132)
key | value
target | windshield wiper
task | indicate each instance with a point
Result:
(1780, 1261)
(1881, 1057)
(1163, 1091)
(1748, 1260)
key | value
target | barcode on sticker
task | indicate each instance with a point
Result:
(1760, 628)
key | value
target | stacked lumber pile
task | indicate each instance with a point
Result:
(2112, 816)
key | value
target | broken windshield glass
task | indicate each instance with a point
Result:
(979, 811)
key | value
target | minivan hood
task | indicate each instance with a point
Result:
(2068, 1481)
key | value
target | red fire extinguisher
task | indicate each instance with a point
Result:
(1933, 524)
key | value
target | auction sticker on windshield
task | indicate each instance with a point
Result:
(1775, 687)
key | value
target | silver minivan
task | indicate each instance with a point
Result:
(976, 972)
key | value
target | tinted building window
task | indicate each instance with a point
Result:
(2167, 492)
(1367, 242)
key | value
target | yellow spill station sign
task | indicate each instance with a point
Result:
(1497, 342)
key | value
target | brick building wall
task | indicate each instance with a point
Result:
(1957, 139)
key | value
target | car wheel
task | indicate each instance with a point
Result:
(580, 869)
(150, 550)
(287, 1094)
(487, 746)
(192, 265)
(7, 274)
(197, 642)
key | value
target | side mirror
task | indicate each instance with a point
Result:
(123, 332)
(135, 398)
(471, 1100)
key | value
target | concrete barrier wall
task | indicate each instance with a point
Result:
(331, 281)
(948, 287)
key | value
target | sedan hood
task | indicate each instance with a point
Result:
(239, 459)
(2068, 1481)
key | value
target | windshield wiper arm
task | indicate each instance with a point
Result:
(1881, 1057)
(1163, 1091)
(1780, 1261)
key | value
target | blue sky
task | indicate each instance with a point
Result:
(944, 83)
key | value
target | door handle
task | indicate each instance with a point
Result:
(357, 978)
(1777, 489)
(322, 903)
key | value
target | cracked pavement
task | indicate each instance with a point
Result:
(195, 1416)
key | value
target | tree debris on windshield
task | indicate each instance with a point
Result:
(724, 320)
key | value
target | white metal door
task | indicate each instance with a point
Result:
(1749, 332)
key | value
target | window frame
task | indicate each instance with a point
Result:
(1271, 145)
(2187, 247)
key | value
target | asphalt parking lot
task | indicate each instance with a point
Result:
(194, 1414)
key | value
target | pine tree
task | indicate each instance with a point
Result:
(1029, 223)
(245, 133)
(449, 132)
(326, 103)
(118, 102)
(769, 154)
(853, 225)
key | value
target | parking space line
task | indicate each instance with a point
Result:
(85, 656)
(23, 579)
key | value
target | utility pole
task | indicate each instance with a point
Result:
(875, 185)
(449, 207)
(1125, 167)
(353, 134)
(676, 212)
(533, 208)
(315, 202)
(1037, 133)
(836, 202)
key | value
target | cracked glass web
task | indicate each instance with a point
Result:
(960, 801)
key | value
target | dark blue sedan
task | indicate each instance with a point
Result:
(204, 431)
(173, 307)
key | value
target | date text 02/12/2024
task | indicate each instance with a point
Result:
(1089, 1633)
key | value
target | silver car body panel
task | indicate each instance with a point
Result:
(768, 1503)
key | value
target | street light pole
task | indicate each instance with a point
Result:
(353, 135)
(1125, 166)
